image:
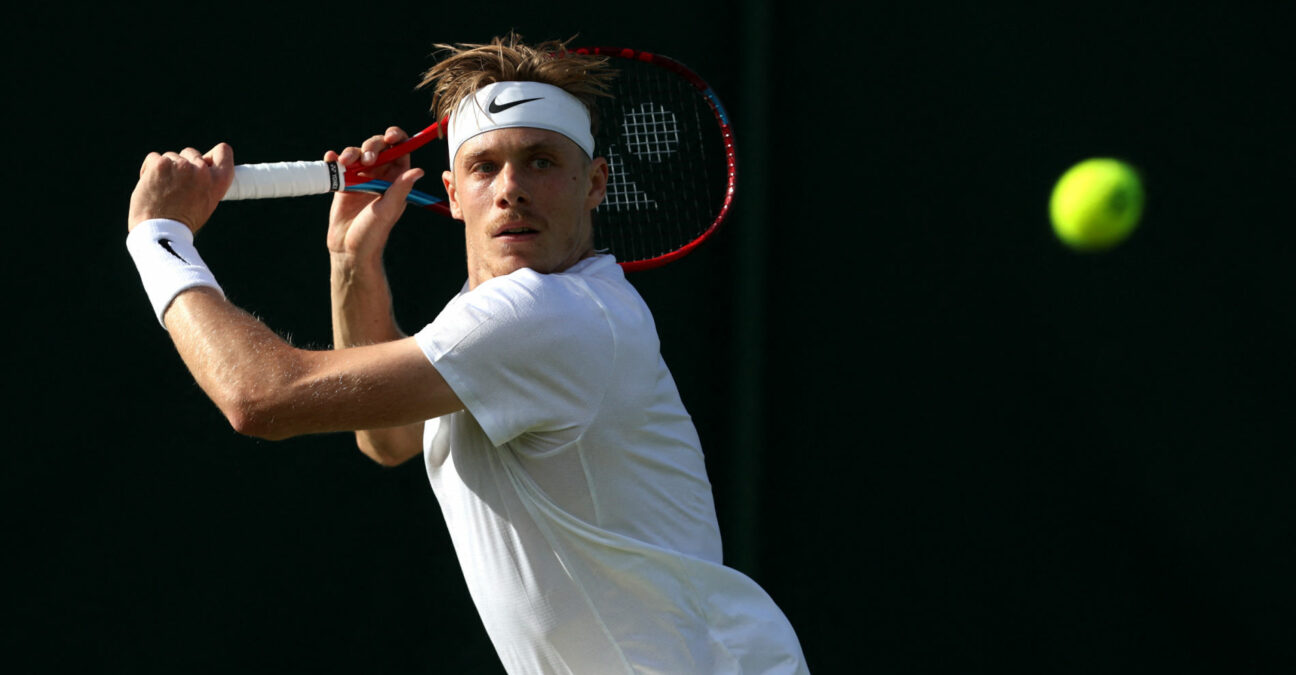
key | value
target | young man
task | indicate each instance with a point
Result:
(569, 474)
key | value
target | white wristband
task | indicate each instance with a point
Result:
(167, 261)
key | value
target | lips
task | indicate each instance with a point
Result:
(514, 225)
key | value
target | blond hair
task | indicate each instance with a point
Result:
(469, 67)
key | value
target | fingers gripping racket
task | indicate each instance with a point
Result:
(667, 141)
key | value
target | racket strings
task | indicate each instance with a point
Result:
(651, 132)
(662, 146)
(623, 193)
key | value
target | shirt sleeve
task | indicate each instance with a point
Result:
(524, 353)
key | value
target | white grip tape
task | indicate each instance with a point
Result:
(285, 179)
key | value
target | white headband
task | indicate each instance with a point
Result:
(503, 105)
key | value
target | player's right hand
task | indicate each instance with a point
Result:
(184, 186)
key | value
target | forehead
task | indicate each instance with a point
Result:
(516, 139)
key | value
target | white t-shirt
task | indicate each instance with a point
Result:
(575, 491)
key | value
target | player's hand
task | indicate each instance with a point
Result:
(185, 186)
(360, 223)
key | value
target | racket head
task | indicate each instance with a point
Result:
(671, 159)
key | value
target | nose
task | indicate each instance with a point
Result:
(510, 187)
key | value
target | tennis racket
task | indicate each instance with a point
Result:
(667, 141)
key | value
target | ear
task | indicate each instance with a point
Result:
(598, 177)
(447, 179)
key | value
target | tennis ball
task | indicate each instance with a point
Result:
(1096, 204)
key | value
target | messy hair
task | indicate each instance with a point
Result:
(469, 67)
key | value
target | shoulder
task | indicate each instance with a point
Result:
(580, 308)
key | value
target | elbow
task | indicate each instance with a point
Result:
(385, 461)
(269, 398)
(251, 423)
(258, 426)
(382, 455)
(391, 446)
(256, 416)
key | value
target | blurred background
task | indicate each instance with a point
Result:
(943, 442)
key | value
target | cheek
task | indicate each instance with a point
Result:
(575, 188)
(476, 200)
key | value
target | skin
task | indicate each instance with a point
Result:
(525, 197)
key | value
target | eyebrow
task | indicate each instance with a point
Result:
(547, 145)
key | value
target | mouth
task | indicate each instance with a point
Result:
(516, 231)
(515, 225)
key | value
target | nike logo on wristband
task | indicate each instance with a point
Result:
(166, 244)
(497, 107)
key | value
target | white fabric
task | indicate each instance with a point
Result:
(575, 490)
(504, 105)
(167, 261)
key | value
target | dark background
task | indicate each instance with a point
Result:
(940, 440)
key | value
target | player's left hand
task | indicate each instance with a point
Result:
(185, 186)
(359, 223)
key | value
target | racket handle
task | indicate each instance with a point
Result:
(285, 179)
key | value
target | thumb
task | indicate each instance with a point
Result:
(400, 188)
(221, 159)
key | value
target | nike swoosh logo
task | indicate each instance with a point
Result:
(497, 107)
(166, 244)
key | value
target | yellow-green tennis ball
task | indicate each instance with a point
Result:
(1096, 204)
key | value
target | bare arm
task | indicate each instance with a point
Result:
(359, 226)
(362, 315)
(269, 389)
(263, 385)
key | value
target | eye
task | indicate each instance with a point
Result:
(542, 163)
(483, 167)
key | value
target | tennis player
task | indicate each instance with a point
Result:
(569, 474)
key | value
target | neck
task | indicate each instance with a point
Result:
(480, 274)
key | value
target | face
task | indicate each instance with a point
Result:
(525, 197)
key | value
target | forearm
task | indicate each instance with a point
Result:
(361, 301)
(362, 314)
